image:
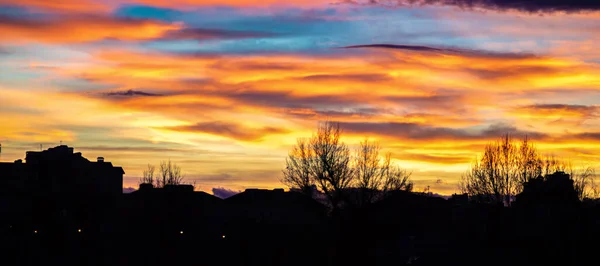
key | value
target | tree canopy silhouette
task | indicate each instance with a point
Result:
(375, 176)
(498, 176)
(297, 173)
(169, 173)
(325, 162)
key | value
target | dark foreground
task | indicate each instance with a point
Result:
(177, 227)
(58, 208)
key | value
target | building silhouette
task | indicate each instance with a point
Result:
(275, 227)
(59, 187)
(556, 188)
(170, 225)
(62, 205)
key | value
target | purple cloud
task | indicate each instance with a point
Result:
(531, 6)
(208, 34)
(230, 130)
(224, 193)
(130, 93)
(127, 190)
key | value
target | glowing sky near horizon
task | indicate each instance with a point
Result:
(224, 88)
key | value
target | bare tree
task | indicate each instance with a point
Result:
(148, 175)
(325, 162)
(375, 176)
(395, 178)
(368, 170)
(501, 171)
(591, 191)
(506, 152)
(506, 165)
(528, 163)
(297, 173)
(583, 181)
(163, 172)
(550, 164)
(482, 182)
(169, 174)
(331, 167)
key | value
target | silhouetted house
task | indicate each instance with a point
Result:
(57, 187)
(424, 212)
(274, 227)
(312, 190)
(170, 208)
(548, 217)
(61, 203)
(421, 229)
(15, 194)
(459, 199)
(171, 224)
(359, 197)
(556, 188)
(276, 207)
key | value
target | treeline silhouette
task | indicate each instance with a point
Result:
(345, 208)
(325, 163)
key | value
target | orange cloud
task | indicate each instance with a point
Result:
(558, 111)
(95, 6)
(433, 110)
(63, 5)
(79, 28)
(416, 87)
(436, 158)
(230, 130)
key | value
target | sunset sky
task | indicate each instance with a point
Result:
(224, 87)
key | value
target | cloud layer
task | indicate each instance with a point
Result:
(224, 193)
(527, 6)
(224, 88)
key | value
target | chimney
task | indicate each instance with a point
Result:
(100, 159)
(145, 187)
